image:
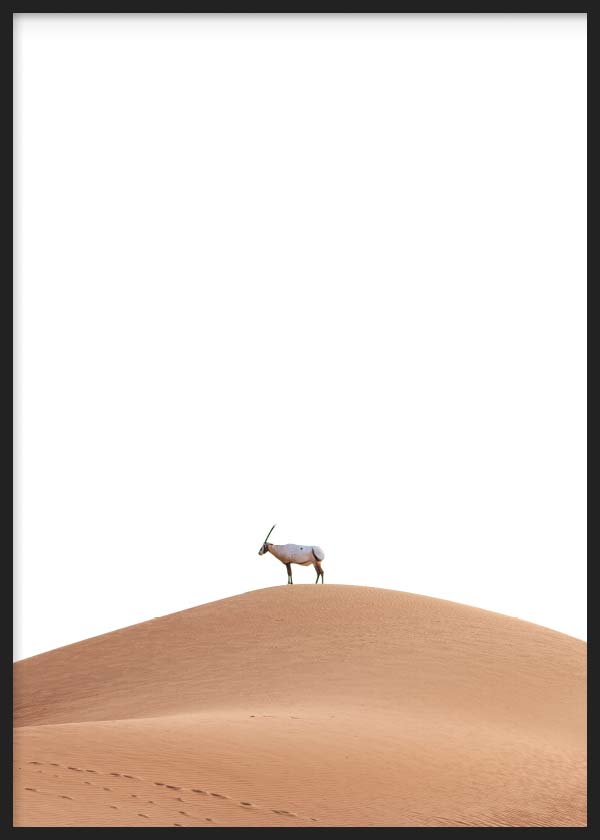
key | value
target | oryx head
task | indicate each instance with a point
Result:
(263, 547)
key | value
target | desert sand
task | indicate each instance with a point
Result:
(310, 706)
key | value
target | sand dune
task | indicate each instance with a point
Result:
(306, 706)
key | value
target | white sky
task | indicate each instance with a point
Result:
(327, 272)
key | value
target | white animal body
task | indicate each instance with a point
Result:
(302, 555)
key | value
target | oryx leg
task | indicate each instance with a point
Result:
(319, 569)
(289, 570)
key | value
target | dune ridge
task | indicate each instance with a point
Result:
(306, 705)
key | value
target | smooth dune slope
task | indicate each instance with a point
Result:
(306, 705)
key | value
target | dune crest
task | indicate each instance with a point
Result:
(306, 705)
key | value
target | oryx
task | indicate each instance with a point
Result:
(304, 555)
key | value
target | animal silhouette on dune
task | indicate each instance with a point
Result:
(303, 555)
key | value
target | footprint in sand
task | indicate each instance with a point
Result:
(285, 813)
(54, 764)
(78, 769)
(220, 796)
(33, 790)
(144, 815)
(159, 784)
(248, 804)
(64, 796)
(185, 814)
(197, 790)
(114, 774)
(113, 806)
(173, 787)
(105, 788)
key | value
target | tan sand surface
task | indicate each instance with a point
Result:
(306, 705)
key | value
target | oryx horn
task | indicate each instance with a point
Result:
(268, 535)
